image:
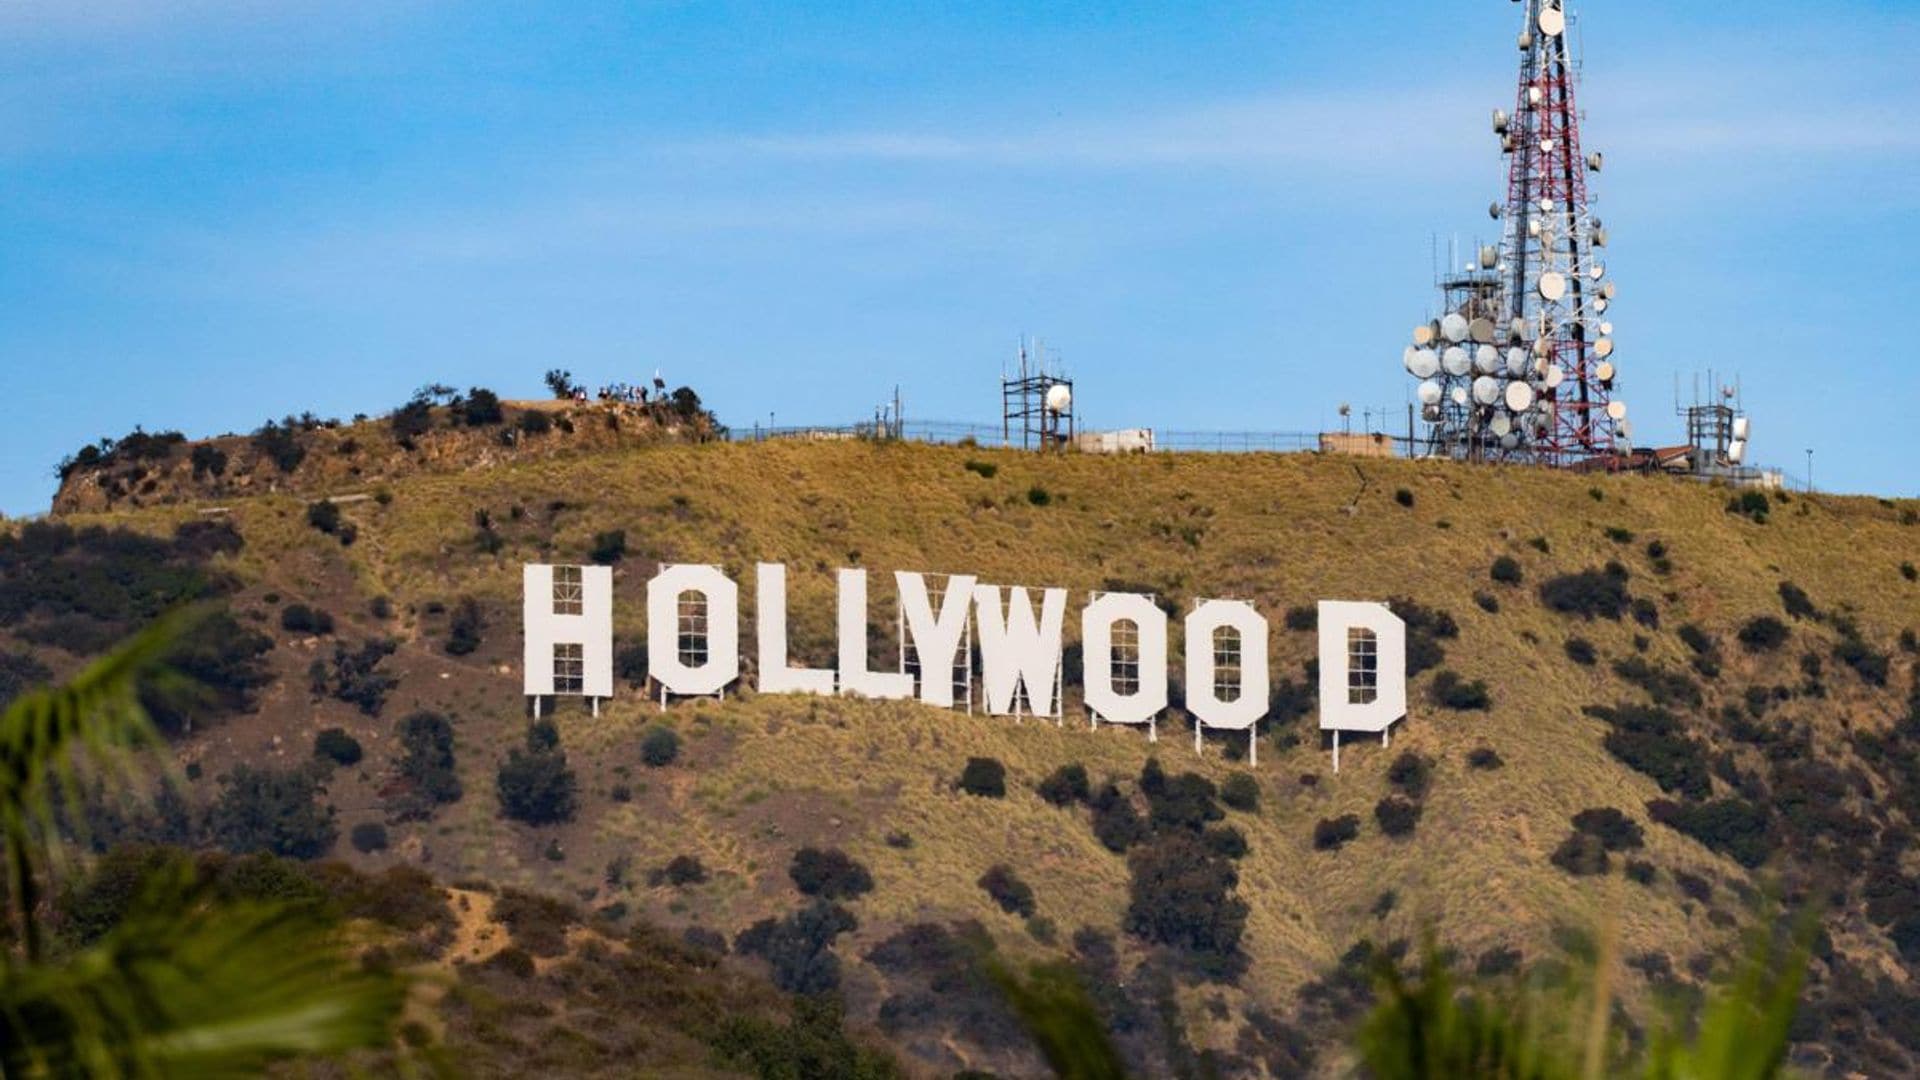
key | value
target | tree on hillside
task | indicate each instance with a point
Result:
(561, 383)
(182, 983)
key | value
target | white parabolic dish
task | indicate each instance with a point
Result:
(1424, 364)
(1553, 286)
(1429, 393)
(1455, 326)
(1519, 396)
(1486, 390)
(1553, 22)
(1617, 410)
(1486, 360)
(1456, 361)
(1501, 424)
(1059, 398)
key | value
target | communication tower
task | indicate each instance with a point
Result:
(1519, 364)
(1036, 404)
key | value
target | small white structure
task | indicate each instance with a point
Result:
(1124, 441)
(567, 617)
(1363, 670)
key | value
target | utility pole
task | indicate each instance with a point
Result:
(1809, 470)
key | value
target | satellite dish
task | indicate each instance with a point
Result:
(1741, 428)
(1599, 237)
(1424, 364)
(1406, 358)
(1481, 330)
(1553, 286)
(1595, 160)
(1059, 398)
(1604, 372)
(1600, 306)
(1541, 347)
(1553, 22)
(1603, 348)
(1489, 258)
(1607, 291)
(1626, 429)
(1533, 227)
(1431, 412)
(1597, 271)
(1526, 41)
(1506, 144)
(1534, 95)
(1546, 146)
(1456, 361)
(1555, 377)
(1345, 409)
(1519, 396)
(1459, 395)
(1495, 210)
(1518, 329)
(1486, 390)
(1486, 360)
(1423, 336)
(1516, 362)
(1737, 451)
(1455, 327)
(1546, 206)
(1501, 425)
(1606, 328)
(1510, 442)
(1616, 411)
(1499, 122)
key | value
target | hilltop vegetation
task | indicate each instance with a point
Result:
(1632, 708)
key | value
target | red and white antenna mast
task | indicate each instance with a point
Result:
(1556, 283)
(1518, 366)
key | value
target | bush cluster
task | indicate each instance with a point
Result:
(536, 785)
(1014, 896)
(301, 619)
(335, 745)
(829, 873)
(1589, 593)
(984, 777)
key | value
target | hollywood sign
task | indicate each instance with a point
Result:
(693, 649)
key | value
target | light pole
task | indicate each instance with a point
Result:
(1809, 470)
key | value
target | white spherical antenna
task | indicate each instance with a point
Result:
(1429, 393)
(1546, 206)
(1553, 22)
(1456, 361)
(1455, 327)
(1617, 411)
(1486, 360)
(1059, 398)
(1553, 285)
(1424, 364)
(1546, 146)
(1603, 348)
(1486, 390)
(1519, 396)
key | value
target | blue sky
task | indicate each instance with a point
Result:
(1218, 215)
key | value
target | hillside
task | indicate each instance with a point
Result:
(1763, 763)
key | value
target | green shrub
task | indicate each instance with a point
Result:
(534, 422)
(829, 873)
(208, 460)
(1014, 896)
(1330, 834)
(369, 837)
(1581, 651)
(1581, 855)
(335, 745)
(1764, 634)
(1404, 498)
(1506, 570)
(1734, 827)
(659, 747)
(1242, 792)
(1589, 594)
(1750, 504)
(1303, 619)
(1485, 757)
(985, 469)
(301, 619)
(1411, 773)
(537, 786)
(324, 515)
(463, 629)
(1181, 894)
(272, 810)
(1397, 816)
(608, 547)
(683, 870)
(1066, 785)
(1651, 740)
(1039, 496)
(1452, 692)
(984, 777)
(426, 766)
(280, 445)
(1908, 571)
(1797, 602)
(1619, 535)
(1611, 827)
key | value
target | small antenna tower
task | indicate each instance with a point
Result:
(1037, 404)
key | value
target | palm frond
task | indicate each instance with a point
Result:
(187, 987)
(47, 734)
(1053, 1006)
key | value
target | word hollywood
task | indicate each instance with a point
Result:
(693, 648)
